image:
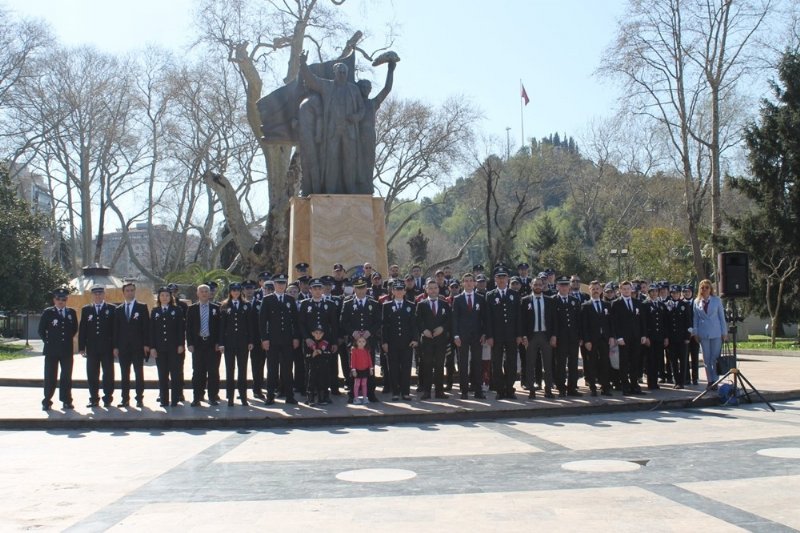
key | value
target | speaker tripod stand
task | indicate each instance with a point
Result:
(740, 382)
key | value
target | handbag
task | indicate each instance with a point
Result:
(726, 360)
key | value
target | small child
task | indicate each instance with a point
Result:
(317, 365)
(360, 368)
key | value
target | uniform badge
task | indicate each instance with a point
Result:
(529, 306)
(573, 303)
(309, 309)
(637, 311)
(605, 310)
(497, 300)
(229, 310)
(55, 321)
(370, 307)
(108, 312)
(408, 309)
(156, 315)
(135, 315)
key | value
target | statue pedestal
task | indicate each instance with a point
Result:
(325, 229)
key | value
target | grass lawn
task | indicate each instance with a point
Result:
(11, 351)
(762, 342)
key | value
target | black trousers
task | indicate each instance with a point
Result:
(523, 364)
(432, 356)
(654, 360)
(51, 364)
(343, 355)
(129, 358)
(504, 366)
(469, 366)
(450, 363)
(273, 372)
(597, 365)
(283, 356)
(565, 367)
(694, 358)
(205, 370)
(258, 359)
(630, 364)
(236, 380)
(299, 369)
(95, 361)
(400, 356)
(318, 369)
(678, 360)
(181, 380)
(168, 363)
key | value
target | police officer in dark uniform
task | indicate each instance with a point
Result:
(524, 279)
(258, 358)
(235, 341)
(568, 339)
(280, 337)
(338, 280)
(399, 337)
(503, 333)
(167, 336)
(96, 343)
(315, 312)
(131, 343)
(202, 335)
(679, 327)
(656, 332)
(361, 317)
(694, 344)
(57, 326)
(184, 307)
(262, 289)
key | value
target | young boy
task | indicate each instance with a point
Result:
(318, 367)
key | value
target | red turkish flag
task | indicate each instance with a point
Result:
(524, 94)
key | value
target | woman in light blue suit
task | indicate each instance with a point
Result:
(709, 328)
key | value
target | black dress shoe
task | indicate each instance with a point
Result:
(448, 388)
(291, 401)
(532, 395)
(230, 403)
(605, 392)
(511, 396)
(480, 396)
(574, 393)
(196, 403)
(499, 396)
(373, 399)
(464, 396)
(174, 403)
(562, 394)
(46, 406)
(441, 396)
(594, 392)
(245, 402)
(395, 398)
(270, 399)
(407, 397)
(260, 396)
(548, 394)
(107, 403)
(68, 405)
(139, 403)
(124, 403)
(425, 396)
(336, 392)
(93, 403)
(678, 386)
(163, 404)
(213, 402)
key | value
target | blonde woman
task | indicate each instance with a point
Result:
(709, 328)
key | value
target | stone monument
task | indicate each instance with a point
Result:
(330, 120)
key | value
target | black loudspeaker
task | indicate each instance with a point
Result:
(733, 271)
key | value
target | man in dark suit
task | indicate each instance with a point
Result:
(434, 324)
(279, 338)
(361, 317)
(468, 336)
(57, 327)
(96, 343)
(628, 325)
(202, 332)
(503, 333)
(539, 337)
(568, 337)
(315, 312)
(597, 338)
(131, 343)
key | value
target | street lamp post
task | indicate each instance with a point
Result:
(619, 254)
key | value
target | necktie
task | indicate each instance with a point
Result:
(164, 309)
(597, 306)
(502, 294)
(433, 307)
(61, 312)
(564, 300)
(235, 305)
(280, 298)
(97, 309)
(397, 305)
(539, 313)
(469, 302)
(204, 320)
(128, 310)
(630, 304)
(705, 306)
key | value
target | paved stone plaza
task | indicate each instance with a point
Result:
(715, 469)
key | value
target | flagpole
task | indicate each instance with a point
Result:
(521, 117)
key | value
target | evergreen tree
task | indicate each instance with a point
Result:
(769, 232)
(418, 244)
(27, 276)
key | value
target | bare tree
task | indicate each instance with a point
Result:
(679, 60)
(418, 145)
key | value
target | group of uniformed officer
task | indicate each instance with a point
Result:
(439, 322)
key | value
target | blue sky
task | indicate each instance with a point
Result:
(473, 49)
